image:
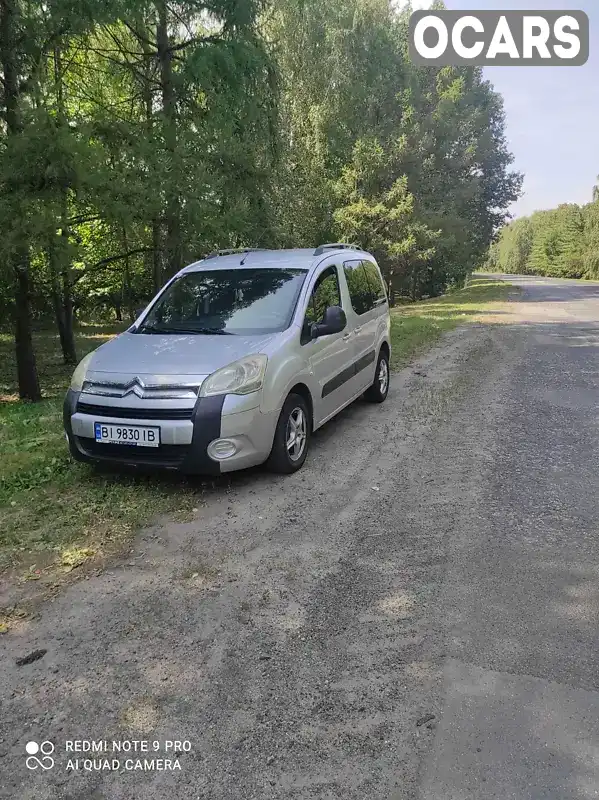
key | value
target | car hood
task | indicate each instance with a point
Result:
(173, 354)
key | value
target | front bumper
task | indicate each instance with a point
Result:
(184, 442)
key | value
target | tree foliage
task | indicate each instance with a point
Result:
(561, 243)
(139, 134)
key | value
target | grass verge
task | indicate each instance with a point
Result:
(55, 514)
(416, 327)
(51, 507)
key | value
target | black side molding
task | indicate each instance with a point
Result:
(348, 373)
(364, 361)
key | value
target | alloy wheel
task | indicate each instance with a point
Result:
(383, 376)
(296, 434)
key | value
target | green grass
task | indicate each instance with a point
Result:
(50, 505)
(417, 326)
(47, 502)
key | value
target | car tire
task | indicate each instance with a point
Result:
(287, 456)
(377, 392)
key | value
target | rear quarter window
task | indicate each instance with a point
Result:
(375, 282)
(360, 291)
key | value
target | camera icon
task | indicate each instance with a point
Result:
(45, 761)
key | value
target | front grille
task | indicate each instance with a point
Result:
(134, 413)
(167, 455)
(150, 391)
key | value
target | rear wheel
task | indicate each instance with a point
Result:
(377, 392)
(292, 436)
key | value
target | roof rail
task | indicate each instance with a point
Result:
(232, 251)
(334, 246)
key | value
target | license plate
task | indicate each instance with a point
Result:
(133, 435)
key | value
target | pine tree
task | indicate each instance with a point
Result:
(17, 249)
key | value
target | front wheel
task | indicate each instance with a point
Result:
(377, 392)
(292, 436)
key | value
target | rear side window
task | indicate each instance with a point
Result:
(360, 291)
(375, 282)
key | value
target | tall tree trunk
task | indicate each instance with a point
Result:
(169, 112)
(127, 288)
(154, 259)
(413, 293)
(55, 291)
(390, 289)
(29, 387)
(416, 283)
(69, 350)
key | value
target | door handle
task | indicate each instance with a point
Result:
(346, 337)
(358, 329)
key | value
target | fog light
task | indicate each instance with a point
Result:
(220, 449)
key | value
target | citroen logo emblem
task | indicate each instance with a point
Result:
(136, 386)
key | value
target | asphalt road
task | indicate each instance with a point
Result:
(413, 616)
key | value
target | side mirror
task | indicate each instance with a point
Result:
(334, 321)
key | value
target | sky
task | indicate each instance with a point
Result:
(552, 114)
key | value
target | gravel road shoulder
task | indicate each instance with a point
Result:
(289, 631)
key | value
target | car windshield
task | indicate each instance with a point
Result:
(227, 301)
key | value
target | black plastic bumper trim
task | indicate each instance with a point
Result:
(194, 457)
(121, 412)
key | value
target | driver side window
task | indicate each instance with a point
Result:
(326, 292)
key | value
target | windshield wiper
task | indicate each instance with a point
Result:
(215, 331)
(200, 331)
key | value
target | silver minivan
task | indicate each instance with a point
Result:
(236, 361)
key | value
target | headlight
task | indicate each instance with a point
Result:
(240, 377)
(80, 372)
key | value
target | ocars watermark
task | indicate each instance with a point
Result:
(499, 38)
